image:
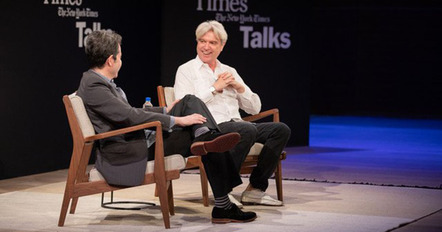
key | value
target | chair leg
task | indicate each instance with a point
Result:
(68, 192)
(73, 205)
(278, 180)
(64, 208)
(170, 197)
(156, 191)
(164, 203)
(204, 183)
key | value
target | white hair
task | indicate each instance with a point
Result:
(212, 25)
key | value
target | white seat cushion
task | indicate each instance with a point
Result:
(171, 162)
(256, 149)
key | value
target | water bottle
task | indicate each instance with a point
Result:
(150, 134)
(147, 103)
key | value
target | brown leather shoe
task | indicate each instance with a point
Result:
(214, 141)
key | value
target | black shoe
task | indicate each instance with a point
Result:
(214, 141)
(234, 214)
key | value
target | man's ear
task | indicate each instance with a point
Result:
(222, 46)
(110, 61)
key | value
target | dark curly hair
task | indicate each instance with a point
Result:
(100, 45)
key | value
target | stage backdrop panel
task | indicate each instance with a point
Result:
(42, 58)
(377, 58)
(268, 45)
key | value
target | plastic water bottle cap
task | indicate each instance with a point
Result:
(147, 98)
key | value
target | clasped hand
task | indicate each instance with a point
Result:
(226, 79)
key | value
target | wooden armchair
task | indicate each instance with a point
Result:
(160, 171)
(166, 96)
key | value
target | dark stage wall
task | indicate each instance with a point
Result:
(377, 58)
(338, 57)
(42, 58)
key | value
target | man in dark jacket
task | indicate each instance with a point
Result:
(187, 124)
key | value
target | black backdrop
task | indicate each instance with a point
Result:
(345, 57)
(40, 61)
(377, 58)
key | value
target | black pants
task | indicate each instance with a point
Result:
(220, 167)
(274, 137)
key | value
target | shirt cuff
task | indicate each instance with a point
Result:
(247, 94)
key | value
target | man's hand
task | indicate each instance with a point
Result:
(190, 120)
(226, 79)
(221, 82)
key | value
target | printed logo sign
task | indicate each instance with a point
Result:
(74, 9)
(249, 24)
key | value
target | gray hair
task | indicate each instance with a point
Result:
(214, 26)
(100, 45)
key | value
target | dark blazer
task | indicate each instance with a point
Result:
(120, 159)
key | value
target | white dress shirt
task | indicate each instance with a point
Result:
(196, 77)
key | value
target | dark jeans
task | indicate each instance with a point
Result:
(273, 135)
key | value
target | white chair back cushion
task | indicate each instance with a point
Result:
(169, 95)
(81, 114)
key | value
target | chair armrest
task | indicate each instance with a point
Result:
(108, 134)
(272, 112)
(159, 168)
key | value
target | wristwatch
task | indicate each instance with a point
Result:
(212, 89)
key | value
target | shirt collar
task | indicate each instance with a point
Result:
(199, 63)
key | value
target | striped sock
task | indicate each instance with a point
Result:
(201, 131)
(223, 202)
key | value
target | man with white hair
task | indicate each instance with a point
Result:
(224, 92)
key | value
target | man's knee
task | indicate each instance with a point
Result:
(283, 130)
(191, 98)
